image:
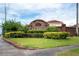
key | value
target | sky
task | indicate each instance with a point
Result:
(28, 12)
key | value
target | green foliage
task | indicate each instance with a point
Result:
(11, 25)
(14, 34)
(45, 43)
(71, 52)
(56, 35)
(20, 34)
(36, 31)
(52, 29)
(34, 35)
(24, 29)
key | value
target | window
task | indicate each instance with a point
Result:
(38, 24)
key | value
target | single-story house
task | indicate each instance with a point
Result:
(40, 24)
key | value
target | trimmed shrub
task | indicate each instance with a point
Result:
(36, 31)
(35, 35)
(20, 34)
(56, 35)
(14, 34)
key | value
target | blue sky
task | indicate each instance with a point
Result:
(25, 13)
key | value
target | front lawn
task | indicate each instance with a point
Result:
(73, 52)
(44, 43)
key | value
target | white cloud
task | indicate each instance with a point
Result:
(50, 13)
(46, 11)
(39, 5)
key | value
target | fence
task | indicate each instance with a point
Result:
(71, 30)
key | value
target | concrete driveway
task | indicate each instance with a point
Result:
(8, 50)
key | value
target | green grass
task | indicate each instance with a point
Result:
(72, 52)
(45, 43)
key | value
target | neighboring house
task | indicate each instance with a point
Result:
(55, 23)
(40, 24)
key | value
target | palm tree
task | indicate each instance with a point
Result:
(77, 31)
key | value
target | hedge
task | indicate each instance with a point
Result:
(56, 35)
(35, 35)
(22, 35)
(36, 31)
(14, 34)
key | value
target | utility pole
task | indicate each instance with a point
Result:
(5, 17)
(5, 9)
(77, 31)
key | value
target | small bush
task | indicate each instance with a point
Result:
(56, 35)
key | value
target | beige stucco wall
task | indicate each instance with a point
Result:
(55, 24)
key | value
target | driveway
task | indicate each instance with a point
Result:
(8, 50)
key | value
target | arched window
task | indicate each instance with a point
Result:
(38, 24)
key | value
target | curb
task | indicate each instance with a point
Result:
(17, 45)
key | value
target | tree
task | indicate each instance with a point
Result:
(11, 25)
(24, 28)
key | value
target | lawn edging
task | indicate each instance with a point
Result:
(16, 45)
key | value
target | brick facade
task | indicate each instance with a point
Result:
(38, 25)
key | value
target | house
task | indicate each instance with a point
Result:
(40, 24)
(55, 23)
(75, 25)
